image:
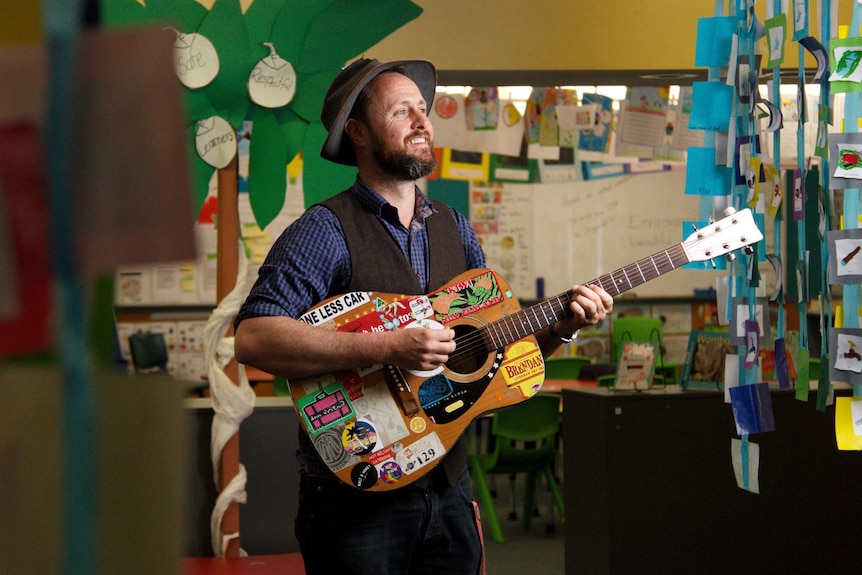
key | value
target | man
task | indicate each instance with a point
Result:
(381, 235)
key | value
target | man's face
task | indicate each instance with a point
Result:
(401, 136)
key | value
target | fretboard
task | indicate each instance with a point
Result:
(538, 316)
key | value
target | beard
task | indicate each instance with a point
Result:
(402, 165)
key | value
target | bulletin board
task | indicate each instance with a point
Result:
(582, 230)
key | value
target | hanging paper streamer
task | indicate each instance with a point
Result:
(848, 423)
(752, 408)
(196, 61)
(215, 142)
(272, 82)
(745, 457)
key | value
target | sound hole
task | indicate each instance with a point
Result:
(471, 352)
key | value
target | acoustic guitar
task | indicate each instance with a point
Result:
(381, 427)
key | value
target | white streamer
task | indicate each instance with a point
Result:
(232, 403)
(234, 492)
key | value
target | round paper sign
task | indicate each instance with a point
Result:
(215, 141)
(272, 82)
(195, 60)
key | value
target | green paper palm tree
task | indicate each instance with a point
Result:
(316, 36)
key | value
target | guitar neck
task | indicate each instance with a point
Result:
(539, 316)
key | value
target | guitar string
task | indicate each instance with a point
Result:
(643, 270)
(619, 281)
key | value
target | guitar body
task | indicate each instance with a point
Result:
(381, 427)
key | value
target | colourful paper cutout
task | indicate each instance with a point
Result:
(712, 103)
(800, 19)
(703, 176)
(776, 32)
(745, 457)
(781, 363)
(714, 38)
(848, 423)
(752, 408)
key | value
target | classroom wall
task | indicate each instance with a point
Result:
(560, 35)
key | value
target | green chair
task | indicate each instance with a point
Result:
(524, 442)
(565, 366)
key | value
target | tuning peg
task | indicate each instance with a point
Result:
(712, 263)
(748, 250)
(729, 211)
(731, 257)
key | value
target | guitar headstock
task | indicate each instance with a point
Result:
(731, 233)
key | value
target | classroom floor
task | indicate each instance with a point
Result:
(525, 552)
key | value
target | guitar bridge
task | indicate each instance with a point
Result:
(400, 390)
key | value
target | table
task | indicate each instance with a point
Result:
(649, 487)
(558, 385)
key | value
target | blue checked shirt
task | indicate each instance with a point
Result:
(310, 259)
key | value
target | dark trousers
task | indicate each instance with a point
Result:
(407, 531)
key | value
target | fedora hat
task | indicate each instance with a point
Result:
(345, 88)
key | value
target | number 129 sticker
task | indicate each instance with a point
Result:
(420, 453)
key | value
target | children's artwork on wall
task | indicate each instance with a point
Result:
(533, 114)
(845, 355)
(645, 116)
(597, 138)
(549, 127)
(447, 117)
(845, 153)
(517, 169)
(572, 119)
(845, 256)
(566, 169)
(482, 109)
(682, 136)
(462, 165)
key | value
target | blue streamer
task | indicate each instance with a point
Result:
(79, 546)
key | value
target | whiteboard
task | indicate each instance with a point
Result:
(582, 230)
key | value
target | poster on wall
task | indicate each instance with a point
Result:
(501, 215)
